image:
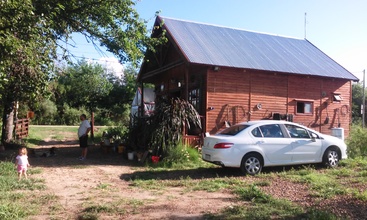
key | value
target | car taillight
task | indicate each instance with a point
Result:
(223, 145)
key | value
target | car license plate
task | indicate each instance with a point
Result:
(207, 156)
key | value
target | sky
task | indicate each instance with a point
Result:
(337, 27)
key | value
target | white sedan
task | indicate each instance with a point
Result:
(256, 144)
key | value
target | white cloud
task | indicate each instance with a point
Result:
(112, 64)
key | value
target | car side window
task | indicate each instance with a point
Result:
(256, 132)
(297, 132)
(271, 131)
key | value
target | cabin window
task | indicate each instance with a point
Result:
(194, 98)
(304, 107)
(337, 97)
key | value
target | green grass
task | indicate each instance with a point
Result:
(41, 133)
(55, 133)
(322, 184)
(92, 210)
(19, 199)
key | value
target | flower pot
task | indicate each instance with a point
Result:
(155, 159)
(120, 149)
(130, 155)
(107, 142)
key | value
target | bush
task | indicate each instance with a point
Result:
(357, 142)
(181, 156)
(118, 133)
(71, 115)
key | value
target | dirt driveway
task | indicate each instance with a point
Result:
(103, 180)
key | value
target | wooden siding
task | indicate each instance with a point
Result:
(228, 95)
(234, 95)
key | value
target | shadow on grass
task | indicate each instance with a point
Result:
(66, 154)
(199, 173)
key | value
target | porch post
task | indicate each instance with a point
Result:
(186, 92)
(141, 100)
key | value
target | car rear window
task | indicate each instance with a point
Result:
(234, 130)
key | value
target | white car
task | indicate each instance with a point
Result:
(256, 144)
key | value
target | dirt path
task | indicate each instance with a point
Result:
(103, 181)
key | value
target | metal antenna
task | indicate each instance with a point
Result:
(305, 24)
(363, 107)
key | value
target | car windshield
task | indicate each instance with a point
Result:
(234, 130)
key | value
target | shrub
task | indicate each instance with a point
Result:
(164, 129)
(357, 142)
(181, 156)
(118, 133)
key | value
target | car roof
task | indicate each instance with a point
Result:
(259, 122)
(266, 122)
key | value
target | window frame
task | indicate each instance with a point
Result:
(305, 103)
(194, 98)
(337, 97)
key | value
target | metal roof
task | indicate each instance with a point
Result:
(230, 47)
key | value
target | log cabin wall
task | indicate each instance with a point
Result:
(237, 95)
(227, 97)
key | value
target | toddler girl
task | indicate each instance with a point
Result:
(21, 162)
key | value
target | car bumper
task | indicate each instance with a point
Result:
(222, 157)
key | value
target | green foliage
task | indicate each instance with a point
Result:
(357, 100)
(182, 156)
(69, 99)
(263, 206)
(71, 115)
(46, 113)
(31, 32)
(82, 84)
(118, 134)
(253, 193)
(357, 142)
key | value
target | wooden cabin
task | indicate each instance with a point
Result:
(231, 75)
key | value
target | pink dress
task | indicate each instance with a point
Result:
(22, 163)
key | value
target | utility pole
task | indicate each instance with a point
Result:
(364, 99)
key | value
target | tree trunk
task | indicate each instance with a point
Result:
(8, 123)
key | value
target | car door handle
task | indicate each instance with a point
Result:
(260, 142)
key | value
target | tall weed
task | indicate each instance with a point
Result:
(357, 142)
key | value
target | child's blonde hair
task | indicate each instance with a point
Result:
(23, 151)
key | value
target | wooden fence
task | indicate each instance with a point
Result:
(21, 128)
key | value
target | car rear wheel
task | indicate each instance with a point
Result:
(251, 164)
(331, 157)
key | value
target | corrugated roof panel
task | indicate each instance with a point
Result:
(221, 46)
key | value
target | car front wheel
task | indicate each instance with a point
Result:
(251, 164)
(331, 157)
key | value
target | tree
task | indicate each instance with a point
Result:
(118, 102)
(31, 31)
(114, 24)
(83, 84)
(25, 60)
(357, 101)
